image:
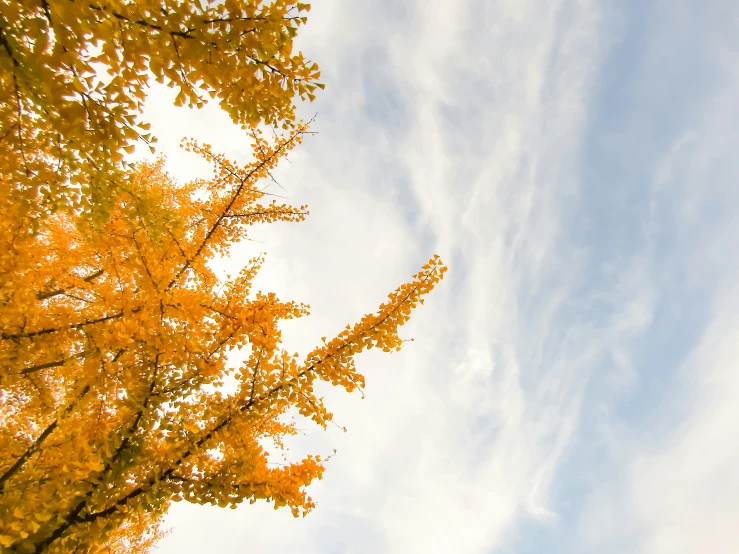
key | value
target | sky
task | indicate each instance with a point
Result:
(572, 384)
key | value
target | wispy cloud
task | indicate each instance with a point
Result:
(674, 487)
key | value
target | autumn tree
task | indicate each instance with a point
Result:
(74, 76)
(120, 393)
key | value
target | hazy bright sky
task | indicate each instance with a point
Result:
(573, 383)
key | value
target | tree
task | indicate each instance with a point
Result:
(73, 78)
(118, 391)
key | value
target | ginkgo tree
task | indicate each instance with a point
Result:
(119, 393)
(74, 77)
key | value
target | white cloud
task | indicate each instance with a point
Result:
(679, 492)
(684, 492)
(675, 488)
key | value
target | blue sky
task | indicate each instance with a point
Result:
(572, 384)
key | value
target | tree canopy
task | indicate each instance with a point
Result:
(118, 395)
(74, 76)
(121, 388)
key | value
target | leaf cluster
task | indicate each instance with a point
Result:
(118, 394)
(74, 75)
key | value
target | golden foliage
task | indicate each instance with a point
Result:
(137, 534)
(73, 79)
(117, 392)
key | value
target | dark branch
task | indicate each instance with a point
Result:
(56, 329)
(243, 180)
(57, 292)
(143, 23)
(31, 450)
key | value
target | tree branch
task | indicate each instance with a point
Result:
(47, 365)
(143, 23)
(222, 215)
(57, 292)
(36, 446)
(56, 329)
